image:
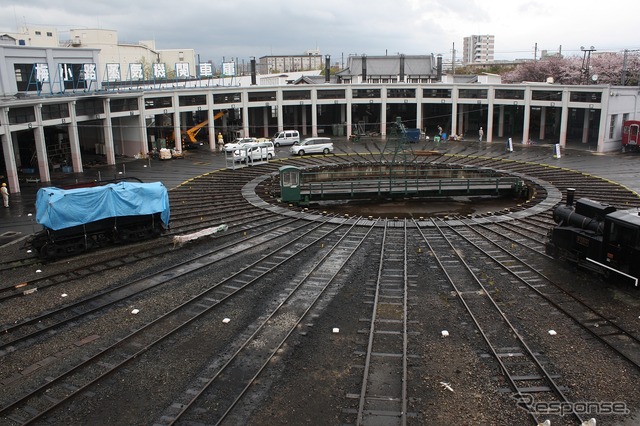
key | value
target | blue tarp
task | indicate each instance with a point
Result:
(63, 208)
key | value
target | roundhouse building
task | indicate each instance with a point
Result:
(57, 109)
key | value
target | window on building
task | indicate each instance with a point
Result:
(262, 96)
(436, 93)
(365, 93)
(54, 111)
(331, 94)
(89, 107)
(49, 34)
(401, 93)
(226, 98)
(546, 95)
(125, 104)
(152, 103)
(473, 93)
(22, 115)
(192, 100)
(509, 94)
(295, 95)
(612, 125)
(38, 33)
(587, 97)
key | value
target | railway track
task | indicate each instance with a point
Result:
(522, 365)
(262, 245)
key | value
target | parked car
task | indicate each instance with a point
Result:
(254, 152)
(286, 137)
(312, 146)
(232, 146)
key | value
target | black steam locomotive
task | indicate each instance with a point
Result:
(596, 236)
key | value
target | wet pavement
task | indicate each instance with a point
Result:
(18, 221)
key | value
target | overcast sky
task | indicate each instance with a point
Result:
(218, 29)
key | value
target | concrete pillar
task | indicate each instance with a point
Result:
(108, 134)
(281, 117)
(210, 125)
(527, 115)
(245, 120)
(501, 121)
(41, 147)
(564, 118)
(177, 134)
(454, 112)
(491, 98)
(585, 125)
(74, 140)
(462, 123)
(305, 124)
(543, 123)
(604, 122)
(142, 125)
(419, 108)
(314, 113)
(349, 113)
(266, 113)
(9, 155)
(383, 112)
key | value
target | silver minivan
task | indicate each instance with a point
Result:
(286, 137)
(312, 146)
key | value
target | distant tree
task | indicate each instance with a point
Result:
(607, 66)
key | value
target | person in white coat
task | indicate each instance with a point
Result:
(5, 195)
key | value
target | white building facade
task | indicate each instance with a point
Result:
(478, 49)
(48, 125)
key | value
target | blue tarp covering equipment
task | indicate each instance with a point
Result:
(63, 208)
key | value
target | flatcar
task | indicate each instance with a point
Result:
(81, 219)
(596, 236)
(630, 135)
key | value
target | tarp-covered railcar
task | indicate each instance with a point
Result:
(75, 220)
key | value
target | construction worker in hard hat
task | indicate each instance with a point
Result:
(5, 194)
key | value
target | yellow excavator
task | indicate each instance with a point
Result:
(192, 133)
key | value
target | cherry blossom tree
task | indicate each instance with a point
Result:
(607, 66)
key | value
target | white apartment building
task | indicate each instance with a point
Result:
(478, 49)
(310, 60)
(36, 36)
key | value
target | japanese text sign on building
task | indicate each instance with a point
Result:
(66, 72)
(206, 69)
(182, 70)
(229, 68)
(113, 72)
(90, 72)
(136, 72)
(159, 71)
(42, 73)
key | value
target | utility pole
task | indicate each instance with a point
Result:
(586, 60)
(453, 59)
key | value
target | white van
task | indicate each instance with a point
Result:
(254, 152)
(286, 137)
